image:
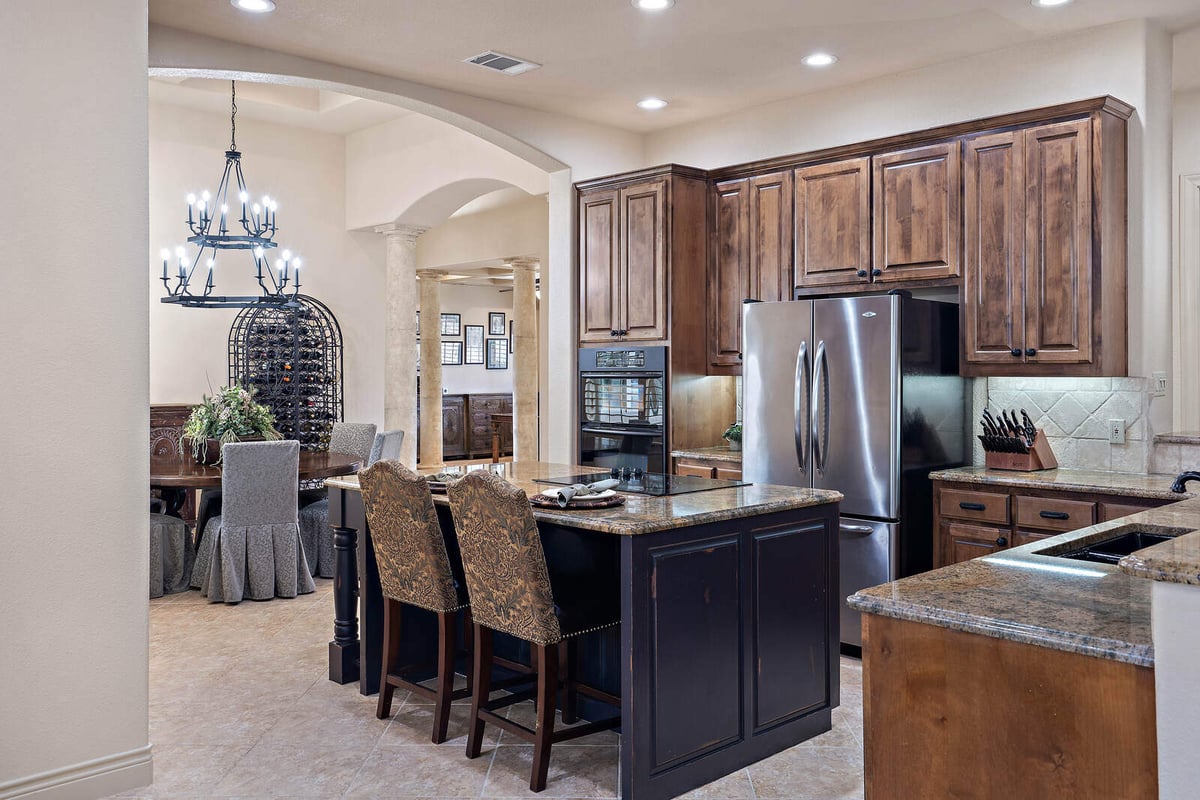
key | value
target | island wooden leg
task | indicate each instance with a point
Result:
(343, 650)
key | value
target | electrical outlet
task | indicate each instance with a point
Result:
(1116, 431)
(1160, 385)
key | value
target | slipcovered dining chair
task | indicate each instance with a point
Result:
(414, 569)
(171, 555)
(509, 587)
(350, 438)
(252, 549)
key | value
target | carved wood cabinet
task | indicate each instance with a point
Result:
(833, 223)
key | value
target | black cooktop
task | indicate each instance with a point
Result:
(651, 483)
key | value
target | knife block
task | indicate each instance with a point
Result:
(1039, 457)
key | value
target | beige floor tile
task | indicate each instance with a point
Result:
(432, 771)
(208, 724)
(313, 728)
(183, 770)
(732, 787)
(524, 714)
(413, 724)
(574, 772)
(273, 771)
(810, 773)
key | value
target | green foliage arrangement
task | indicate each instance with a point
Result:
(733, 433)
(228, 416)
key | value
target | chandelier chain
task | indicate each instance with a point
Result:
(233, 115)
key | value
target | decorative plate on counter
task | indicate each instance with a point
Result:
(606, 499)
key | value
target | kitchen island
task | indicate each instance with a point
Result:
(727, 650)
(1023, 673)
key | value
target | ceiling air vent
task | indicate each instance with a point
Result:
(509, 65)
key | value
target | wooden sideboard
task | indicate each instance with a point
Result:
(466, 425)
(166, 429)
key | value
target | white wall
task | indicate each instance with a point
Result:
(1186, 181)
(1131, 61)
(472, 304)
(305, 170)
(73, 640)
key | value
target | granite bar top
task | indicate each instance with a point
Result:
(1178, 437)
(718, 453)
(1153, 487)
(642, 513)
(1025, 594)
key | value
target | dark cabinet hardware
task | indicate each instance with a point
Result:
(1015, 352)
(862, 273)
(1032, 351)
(972, 506)
(1054, 515)
(876, 273)
(1001, 542)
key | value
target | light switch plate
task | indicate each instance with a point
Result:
(1159, 388)
(1116, 431)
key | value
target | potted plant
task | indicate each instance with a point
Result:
(733, 435)
(231, 415)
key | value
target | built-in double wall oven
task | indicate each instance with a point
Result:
(623, 408)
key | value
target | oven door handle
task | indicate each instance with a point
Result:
(624, 431)
(621, 375)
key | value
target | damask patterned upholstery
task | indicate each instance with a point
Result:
(503, 560)
(414, 566)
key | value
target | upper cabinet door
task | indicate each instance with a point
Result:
(994, 259)
(1058, 240)
(729, 271)
(917, 213)
(833, 223)
(770, 236)
(643, 237)
(598, 266)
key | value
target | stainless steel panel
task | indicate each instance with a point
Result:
(860, 392)
(866, 559)
(773, 366)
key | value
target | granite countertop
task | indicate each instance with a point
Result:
(1076, 606)
(1154, 487)
(719, 453)
(1178, 437)
(642, 513)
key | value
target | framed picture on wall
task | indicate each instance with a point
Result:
(451, 325)
(452, 353)
(497, 354)
(510, 339)
(495, 323)
(473, 348)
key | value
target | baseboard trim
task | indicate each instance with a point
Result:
(99, 777)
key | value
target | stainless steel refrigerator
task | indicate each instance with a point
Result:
(861, 395)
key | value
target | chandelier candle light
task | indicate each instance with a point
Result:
(280, 285)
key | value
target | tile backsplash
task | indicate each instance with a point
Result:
(1074, 413)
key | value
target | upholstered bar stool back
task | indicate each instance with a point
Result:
(414, 568)
(509, 584)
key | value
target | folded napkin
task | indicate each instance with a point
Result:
(564, 495)
(444, 477)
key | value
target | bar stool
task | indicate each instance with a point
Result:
(414, 568)
(509, 586)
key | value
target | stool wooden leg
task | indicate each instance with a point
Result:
(469, 646)
(481, 687)
(447, 642)
(546, 657)
(391, 654)
(570, 681)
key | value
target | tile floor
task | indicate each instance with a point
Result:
(240, 706)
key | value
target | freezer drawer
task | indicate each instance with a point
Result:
(867, 549)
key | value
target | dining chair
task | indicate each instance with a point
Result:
(252, 549)
(171, 555)
(386, 446)
(509, 587)
(358, 439)
(415, 570)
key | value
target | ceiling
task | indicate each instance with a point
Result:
(599, 57)
(293, 106)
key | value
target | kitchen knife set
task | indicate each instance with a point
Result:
(1008, 434)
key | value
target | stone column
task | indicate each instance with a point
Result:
(525, 360)
(400, 359)
(431, 368)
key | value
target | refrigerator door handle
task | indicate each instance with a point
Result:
(848, 528)
(819, 409)
(803, 381)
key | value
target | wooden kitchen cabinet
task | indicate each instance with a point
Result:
(751, 258)
(833, 223)
(917, 215)
(973, 520)
(598, 265)
(696, 466)
(1044, 285)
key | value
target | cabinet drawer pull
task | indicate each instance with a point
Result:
(1001, 542)
(1015, 352)
(972, 506)
(1054, 515)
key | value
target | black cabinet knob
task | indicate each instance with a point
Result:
(1001, 542)
(612, 333)
(1032, 351)
(876, 272)
(1015, 352)
(862, 273)
(739, 356)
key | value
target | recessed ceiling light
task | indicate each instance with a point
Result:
(1049, 3)
(652, 5)
(651, 104)
(819, 60)
(254, 6)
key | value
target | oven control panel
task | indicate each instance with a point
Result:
(620, 359)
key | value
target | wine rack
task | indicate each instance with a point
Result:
(292, 359)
